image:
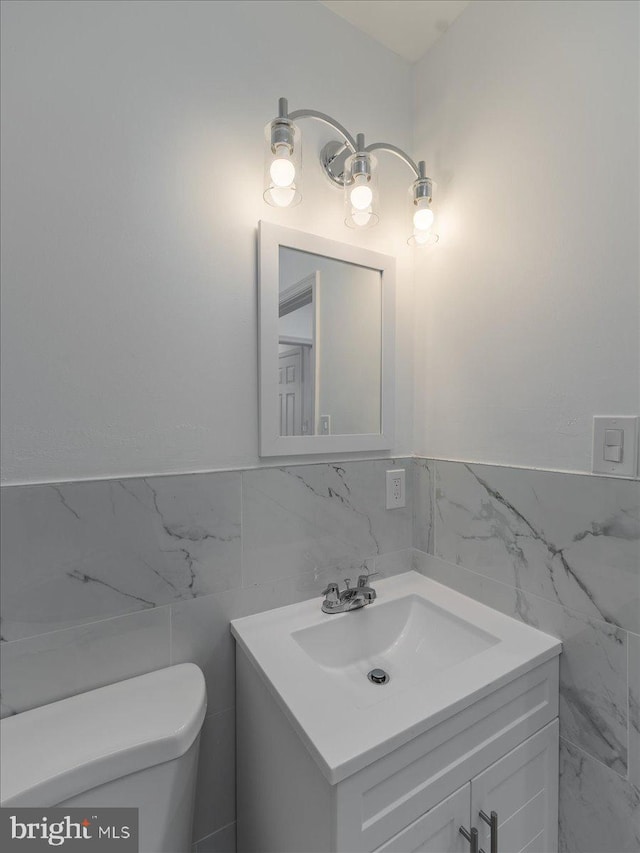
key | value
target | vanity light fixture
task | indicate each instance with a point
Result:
(283, 161)
(349, 164)
(422, 216)
(360, 187)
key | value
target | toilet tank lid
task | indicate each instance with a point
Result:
(55, 752)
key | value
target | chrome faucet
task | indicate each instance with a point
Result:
(337, 601)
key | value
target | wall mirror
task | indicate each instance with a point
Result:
(326, 345)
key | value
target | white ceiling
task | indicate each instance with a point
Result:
(408, 27)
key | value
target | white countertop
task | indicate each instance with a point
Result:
(346, 722)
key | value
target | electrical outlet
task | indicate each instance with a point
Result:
(396, 489)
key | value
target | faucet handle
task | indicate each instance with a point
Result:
(332, 599)
(332, 587)
(363, 580)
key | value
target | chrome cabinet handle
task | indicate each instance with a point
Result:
(472, 838)
(492, 822)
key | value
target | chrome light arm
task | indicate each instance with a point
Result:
(335, 153)
(393, 149)
(323, 117)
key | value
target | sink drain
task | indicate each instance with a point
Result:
(378, 676)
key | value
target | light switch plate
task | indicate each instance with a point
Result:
(628, 465)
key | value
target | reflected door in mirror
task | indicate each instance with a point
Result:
(329, 345)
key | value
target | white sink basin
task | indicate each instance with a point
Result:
(441, 650)
(410, 638)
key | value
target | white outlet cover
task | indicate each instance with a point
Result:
(395, 501)
(628, 466)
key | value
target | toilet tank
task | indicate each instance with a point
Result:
(134, 743)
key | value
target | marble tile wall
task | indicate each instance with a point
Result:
(562, 553)
(105, 580)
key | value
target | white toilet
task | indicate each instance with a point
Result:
(134, 743)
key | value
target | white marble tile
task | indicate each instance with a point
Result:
(78, 552)
(598, 811)
(593, 668)
(222, 841)
(215, 805)
(300, 519)
(423, 483)
(457, 577)
(634, 709)
(593, 711)
(573, 539)
(200, 633)
(394, 563)
(39, 670)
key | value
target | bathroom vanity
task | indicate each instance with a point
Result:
(463, 736)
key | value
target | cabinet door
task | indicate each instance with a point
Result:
(522, 788)
(437, 831)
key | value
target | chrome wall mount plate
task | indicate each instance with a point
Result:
(333, 157)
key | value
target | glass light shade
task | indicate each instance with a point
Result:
(422, 239)
(422, 219)
(283, 166)
(361, 191)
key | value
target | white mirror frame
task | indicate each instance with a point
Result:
(270, 238)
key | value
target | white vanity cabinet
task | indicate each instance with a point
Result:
(500, 753)
(520, 788)
(437, 830)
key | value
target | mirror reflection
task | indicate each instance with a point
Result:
(329, 346)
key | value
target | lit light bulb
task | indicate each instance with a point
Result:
(282, 196)
(423, 219)
(282, 170)
(361, 218)
(361, 195)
